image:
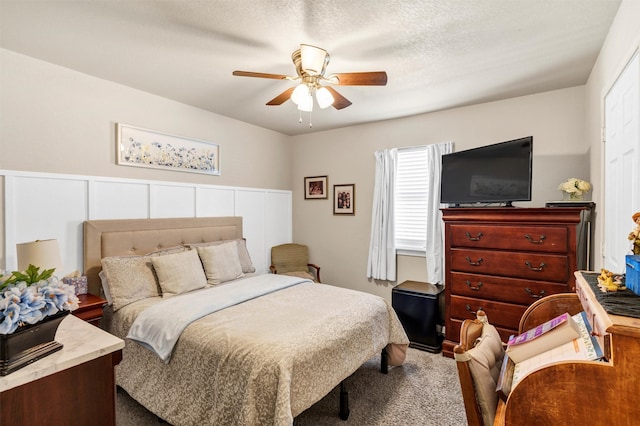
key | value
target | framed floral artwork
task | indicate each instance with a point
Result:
(315, 187)
(148, 148)
(344, 199)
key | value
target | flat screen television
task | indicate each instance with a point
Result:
(498, 173)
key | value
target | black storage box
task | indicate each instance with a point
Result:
(418, 307)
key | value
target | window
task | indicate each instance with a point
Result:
(411, 199)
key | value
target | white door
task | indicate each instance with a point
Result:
(622, 161)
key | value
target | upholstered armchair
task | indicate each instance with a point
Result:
(479, 359)
(293, 259)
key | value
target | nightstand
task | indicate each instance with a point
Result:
(90, 308)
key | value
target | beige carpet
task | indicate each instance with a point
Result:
(424, 391)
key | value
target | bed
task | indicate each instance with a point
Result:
(261, 360)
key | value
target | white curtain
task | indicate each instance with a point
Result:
(434, 252)
(382, 247)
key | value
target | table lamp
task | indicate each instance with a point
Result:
(44, 254)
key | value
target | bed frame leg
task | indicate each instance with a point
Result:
(344, 402)
(384, 361)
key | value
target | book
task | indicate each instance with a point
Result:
(584, 348)
(553, 333)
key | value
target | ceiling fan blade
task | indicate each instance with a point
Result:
(339, 101)
(373, 78)
(282, 97)
(260, 75)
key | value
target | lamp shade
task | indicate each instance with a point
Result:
(306, 103)
(313, 59)
(44, 254)
(300, 93)
(324, 97)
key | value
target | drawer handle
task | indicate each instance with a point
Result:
(538, 241)
(476, 238)
(472, 287)
(471, 262)
(535, 296)
(533, 268)
(472, 312)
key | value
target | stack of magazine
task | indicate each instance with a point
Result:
(565, 338)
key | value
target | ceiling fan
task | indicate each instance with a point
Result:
(311, 63)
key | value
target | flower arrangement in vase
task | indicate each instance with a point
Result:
(31, 296)
(573, 189)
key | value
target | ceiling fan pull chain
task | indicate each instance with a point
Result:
(300, 119)
(310, 124)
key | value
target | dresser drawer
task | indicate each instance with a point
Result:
(541, 267)
(547, 239)
(506, 315)
(512, 290)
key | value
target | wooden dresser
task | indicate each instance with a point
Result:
(503, 259)
(74, 386)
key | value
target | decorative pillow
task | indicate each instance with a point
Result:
(243, 253)
(105, 287)
(485, 364)
(221, 262)
(129, 279)
(179, 273)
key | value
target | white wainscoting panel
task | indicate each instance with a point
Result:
(120, 200)
(248, 202)
(278, 216)
(47, 205)
(46, 208)
(215, 202)
(173, 201)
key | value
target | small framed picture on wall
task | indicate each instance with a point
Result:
(344, 199)
(316, 187)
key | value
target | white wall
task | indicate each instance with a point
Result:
(339, 244)
(622, 41)
(56, 120)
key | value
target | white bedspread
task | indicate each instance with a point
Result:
(159, 327)
(260, 362)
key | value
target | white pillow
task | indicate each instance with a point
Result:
(221, 262)
(243, 253)
(128, 279)
(105, 287)
(179, 273)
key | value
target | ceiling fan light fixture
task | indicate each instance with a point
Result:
(300, 93)
(306, 103)
(314, 59)
(324, 97)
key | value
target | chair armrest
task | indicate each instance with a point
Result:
(317, 268)
(500, 413)
(548, 308)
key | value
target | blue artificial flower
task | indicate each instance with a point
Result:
(31, 304)
(22, 303)
(11, 318)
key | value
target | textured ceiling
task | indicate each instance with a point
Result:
(438, 54)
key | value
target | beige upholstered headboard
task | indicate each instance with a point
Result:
(124, 237)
